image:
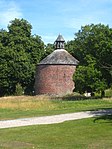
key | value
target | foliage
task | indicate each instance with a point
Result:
(89, 78)
(95, 41)
(48, 49)
(108, 92)
(19, 54)
(20, 27)
(19, 90)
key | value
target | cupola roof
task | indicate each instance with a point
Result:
(59, 43)
(60, 56)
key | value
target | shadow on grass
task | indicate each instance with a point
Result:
(102, 115)
(79, 97)
(104, 119)
(75, 97)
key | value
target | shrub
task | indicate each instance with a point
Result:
(19, 90)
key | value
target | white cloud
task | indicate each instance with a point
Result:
(9, 10)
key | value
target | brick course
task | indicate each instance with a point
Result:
(54, 79)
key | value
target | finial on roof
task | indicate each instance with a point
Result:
(59, 43)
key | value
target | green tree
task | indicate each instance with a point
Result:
(19, 54)
(48, 49)
(19, 27)
(4, 81)
(96, 41)
(88, 78)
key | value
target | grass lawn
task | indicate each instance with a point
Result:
(91, 133)
(30, 106)
(79, 134)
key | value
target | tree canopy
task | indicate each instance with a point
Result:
(94, 41)
(19, 53)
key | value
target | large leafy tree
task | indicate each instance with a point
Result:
(95, 41)
(48, 49)
(4, 81)
(19, 53)
(88, 78)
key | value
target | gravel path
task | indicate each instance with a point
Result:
(52, 119)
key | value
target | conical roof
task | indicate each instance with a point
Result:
(60, 38)
(59, 57)
(59, 43)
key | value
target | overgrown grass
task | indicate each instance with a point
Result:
(79, 134)
(108, 92)
(30, 106)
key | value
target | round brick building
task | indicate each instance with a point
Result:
(54, 73)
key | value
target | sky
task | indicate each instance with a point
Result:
(49, 18)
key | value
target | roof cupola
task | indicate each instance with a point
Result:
(59, 43)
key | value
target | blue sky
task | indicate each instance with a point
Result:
(49, 18)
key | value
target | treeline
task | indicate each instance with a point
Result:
(92, 46)
(20, 51)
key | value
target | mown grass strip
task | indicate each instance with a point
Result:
(79, 134)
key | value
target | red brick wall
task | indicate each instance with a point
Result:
(54, 79)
